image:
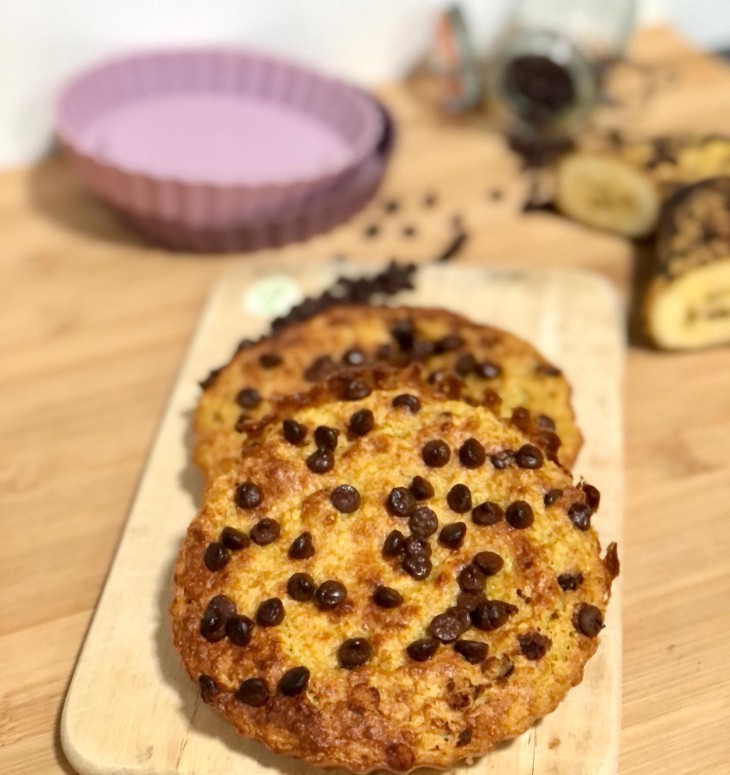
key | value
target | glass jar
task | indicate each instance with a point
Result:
(545, 72)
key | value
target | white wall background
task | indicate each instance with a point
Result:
(42, 42)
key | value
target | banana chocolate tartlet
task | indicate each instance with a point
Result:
(507, 372)
(388, 578)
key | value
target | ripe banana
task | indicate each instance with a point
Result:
(688, 301)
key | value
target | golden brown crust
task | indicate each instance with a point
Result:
(391, 712)
(523, 378)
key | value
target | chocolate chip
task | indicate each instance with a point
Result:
(552, 496)
(519, 514)
(448, 626)
(213, 622)
(491, 614)
(372, 231)
(423, 522)
(588, 620)
(355, 389)
(248, 495)
(593, 496)
(465, 364)
(470, 600)
(409, 231)
(361, 423)
(294, 432)
(436, 453)
(449, 343)
(211, 379)
(500, 460)
(269, 360)
(488, 563)
(320, 368)
(270, 612)
(400, 502)
(418, 566)
(487, 513)
(234, 539)
(248, 398)
(548, 370)
(488, 370)
(321, 461)
(543, 421)
(345, 498)
(464, 738)
(473, 651)
(241, 423)
(459, 498)
(529, 456)
(330, 594)
(611, 561)
(533, 645)
(253, 692)
(472, 454)
(294, 681)
(326, 438)
(580, 515)
(354, 652)
(452, 536)
(265, 531)
(216, 556)
(302, 547)
(570, 581)
(393, 544)
(208, 688)
(471, 579)
(521, 418)
(387, 597)
(300, 587)
(416, 546)
(422, 649)
(421, 488)
(404, 334)
(407, 401)
(429, 200)
(239, 630)
(354, 357)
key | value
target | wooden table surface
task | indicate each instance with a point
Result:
(93, 326)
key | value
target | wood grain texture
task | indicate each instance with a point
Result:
(94, 323)
(574, 318)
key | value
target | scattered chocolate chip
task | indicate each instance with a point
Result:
(248, 398)
(393, 544)
(491, 400)
(519, 514)
(470, 600)
(543, 421)
(391, 206)
(471, 579)
(422, 649)
(400, 502)
(248, 495)
(269, 360)
(611, 562)
(423, 522)
(355, 389)
(407, 401)
(452, 536)
(489, 563)
(488, 370)
(387, 597)
(449, 343)
(593, 496)
(325, 437)
(320, 368)
(300, 587)
(404, 334)
(361, 423)
(270, 612)
(241, 422)
(418, 566)
(473, 651)
(421, 488)
(580, 515)
(452, 248)
(472, 454)
(239, 630)
(211, 379)
(345, 498)
(372, 231)
(588, 620)
(464, 737)
(294, 681)
(213, 622)
(294, 432)
(253, 692)
(216, 556)
(529, 456)
(208, 688)
(492, 614)
(521, 418)
(448, 626)
(500, 460)
(429, 199)
(354, 652)
(409, 231)
(548, 370)
(302, 547)
(321, 461)
(569, 582)
(265, 531)
(552, 496)
(459, 498)
(234, 539)
(330, 594)
(465, 364)
(487, 513)
(436, 453)
(422, 349)
(533, 645)
(354, 357)
(417, 546)
(495, 194)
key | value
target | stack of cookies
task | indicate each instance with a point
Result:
(392, 566)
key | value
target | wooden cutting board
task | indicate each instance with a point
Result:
(131, 707)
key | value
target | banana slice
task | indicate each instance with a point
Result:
(608, 193)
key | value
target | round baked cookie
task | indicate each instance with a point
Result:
(514, 376)
(389, 580)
